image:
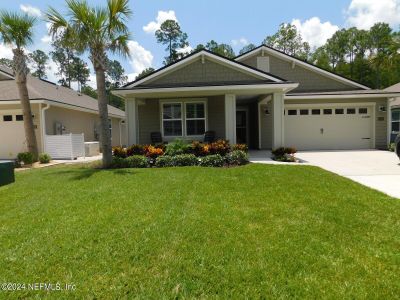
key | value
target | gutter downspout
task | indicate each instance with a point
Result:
(43, 124)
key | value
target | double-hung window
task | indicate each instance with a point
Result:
(195, 118)
(172, 119)
(395, 121)
(183, 119)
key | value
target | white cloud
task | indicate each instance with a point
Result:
(240, 42)
(314, 31)
(30, 10)
(140, 57)
(186, 49)
(6, 51)
(46, 39)
(162, 16)
(365, 13)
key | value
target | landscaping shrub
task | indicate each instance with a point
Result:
(284, 154)
(177, 160)
(25, 157)
(240, 147)
(220, 147)
(237, 158)
(135, 150)
(44, 158)
(119, 162)
(177, 147)
(196, 148)
(119, 152)
(392, 147)
(136, 161)
(153, 152)
(215, 160)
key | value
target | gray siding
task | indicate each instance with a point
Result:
(197, 72)
(149, 120)
(266, 126)
(309, 80)
(216, 115)
(380, 117)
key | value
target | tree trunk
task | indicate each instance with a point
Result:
(20, 78)
(105, 136)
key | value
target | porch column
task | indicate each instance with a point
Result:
(278, 120)
(131, 121)
(230, 118)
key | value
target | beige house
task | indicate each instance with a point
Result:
(264, 98)
(56, 110)
(395, 109)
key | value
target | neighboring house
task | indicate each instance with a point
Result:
(263, 98)
(395, 109)
(56, 110)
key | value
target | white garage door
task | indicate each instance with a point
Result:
(12, 134)
(329, 128)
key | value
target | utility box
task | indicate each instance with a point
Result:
(92, 149)
(6, 172)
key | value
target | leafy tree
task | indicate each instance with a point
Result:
(63, 55)
(144, 73)
(17, 30)
(115, 78)
(336, 48)
(97, 30)
(288, 40)
(7, 62)
(79, 72)
(89, 91)
(247, 48)
(221, 49)
(170, 34)
(39, 59)
(320, 57)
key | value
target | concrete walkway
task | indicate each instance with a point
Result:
(377, 169)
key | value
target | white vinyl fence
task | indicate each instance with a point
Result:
(67, 146)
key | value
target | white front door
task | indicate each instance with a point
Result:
(329, 127)
(12, 134)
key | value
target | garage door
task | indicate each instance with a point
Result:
(12, 134)
(329, 127)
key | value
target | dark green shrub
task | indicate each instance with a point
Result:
(164, 161)
(177, 147)
(215, 160)
(119, 162)
(237, 158)
(26, 158)
(136, 161)
(119, 152)
(241, 147)
(185, 160)
(44, 158)
(135, 150)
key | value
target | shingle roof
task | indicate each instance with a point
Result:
(394, 88)
(41, 89)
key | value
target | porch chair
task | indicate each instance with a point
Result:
(209, 136)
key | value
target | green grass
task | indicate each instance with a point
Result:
(256, 231)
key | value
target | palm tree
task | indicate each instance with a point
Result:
(96, 30)
(16, 31)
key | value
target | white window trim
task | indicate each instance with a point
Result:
(183, 102)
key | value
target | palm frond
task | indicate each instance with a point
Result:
(119, 45)
(16, 29)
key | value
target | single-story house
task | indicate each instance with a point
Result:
(264, 98)
(56, 110)
(395, 109)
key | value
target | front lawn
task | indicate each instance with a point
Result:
(256, 231)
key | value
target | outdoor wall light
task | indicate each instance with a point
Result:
(266, 112)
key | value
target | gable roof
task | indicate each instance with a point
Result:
(40, 89)
(203, 53)
(394, 88)
(302, 63)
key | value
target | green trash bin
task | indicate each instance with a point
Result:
(6, 172)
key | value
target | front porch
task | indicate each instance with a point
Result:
(254, 119)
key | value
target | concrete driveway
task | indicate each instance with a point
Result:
(376, 169)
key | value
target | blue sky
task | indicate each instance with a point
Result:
(232, 22)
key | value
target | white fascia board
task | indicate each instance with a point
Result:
(303, 64)
(63, 105)
(350, 96)
(271, 86)
(197, 56)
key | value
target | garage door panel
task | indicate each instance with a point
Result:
(12, 137)
(329, 131)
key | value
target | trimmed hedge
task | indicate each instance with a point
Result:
(215, 160)
(177, 161)
(44, 158)
(135, 161)
(26, 158)
(237, 158)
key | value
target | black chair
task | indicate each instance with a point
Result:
(209, 136)
(156, 138)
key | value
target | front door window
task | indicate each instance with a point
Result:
(241, 127)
